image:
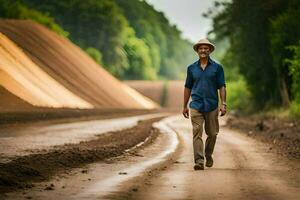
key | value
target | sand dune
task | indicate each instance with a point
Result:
(22, 77)
(66, 64)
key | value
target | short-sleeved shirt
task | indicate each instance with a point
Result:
(204, 85)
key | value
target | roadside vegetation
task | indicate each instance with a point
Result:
(261, 56)
(17, 10)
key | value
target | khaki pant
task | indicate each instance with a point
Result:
(211, 126)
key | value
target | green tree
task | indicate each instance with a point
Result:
(99, 24)
(285, 31)
(95, 55)
(15, 9)
(139, 59)
(248, 26)
(170, 54)
(294, 68)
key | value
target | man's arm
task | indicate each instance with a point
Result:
(187, 94)
(222, 92)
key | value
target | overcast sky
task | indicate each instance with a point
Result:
(186, 15)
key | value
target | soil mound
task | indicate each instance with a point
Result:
(63, 62)
(20, 76)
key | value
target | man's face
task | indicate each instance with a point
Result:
(203, 51)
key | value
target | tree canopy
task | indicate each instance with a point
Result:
(260, 33)
(17, 10)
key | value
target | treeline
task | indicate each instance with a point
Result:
(264, 38)
(17, 10)
(129, 38)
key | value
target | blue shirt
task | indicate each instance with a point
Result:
(204, 85)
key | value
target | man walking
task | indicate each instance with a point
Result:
(204, 78)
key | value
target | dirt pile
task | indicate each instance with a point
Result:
(24, 171)
(22, 77)
(57, 60)
(283, 134)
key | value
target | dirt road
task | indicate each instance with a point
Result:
(244, 169)
(27, 139)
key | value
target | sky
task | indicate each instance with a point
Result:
(186, 15)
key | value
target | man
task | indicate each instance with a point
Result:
(204, 78)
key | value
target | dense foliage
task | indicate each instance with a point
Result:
(17, 10)
(134, 40)
(169, 53)
(260, 33)
(294, 68)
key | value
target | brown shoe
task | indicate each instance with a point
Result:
(209, 162)
(198, 166)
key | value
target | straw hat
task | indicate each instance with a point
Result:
(204, 41)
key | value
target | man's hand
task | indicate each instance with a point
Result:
(185, 112)
(223, 110)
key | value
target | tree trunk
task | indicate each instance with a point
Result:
(285, 100)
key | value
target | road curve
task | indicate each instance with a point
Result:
(244, 169)
(103, 178)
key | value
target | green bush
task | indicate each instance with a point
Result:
(294, 69)
(238, 96)
(295, 109)
(94, 54)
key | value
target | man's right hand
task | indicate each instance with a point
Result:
(185, 112)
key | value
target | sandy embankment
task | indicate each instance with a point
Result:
(25, 79)
(55, 69)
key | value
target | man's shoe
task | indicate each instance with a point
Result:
(198, 166)
(209, 162)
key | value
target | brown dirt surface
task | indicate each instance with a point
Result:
(283, 134)
(244, 168)
(56, 58)
(24, 171)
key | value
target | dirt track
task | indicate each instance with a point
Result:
(244, 169)
(40, 164)
(282, 134)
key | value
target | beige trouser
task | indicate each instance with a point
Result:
(211, 126)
